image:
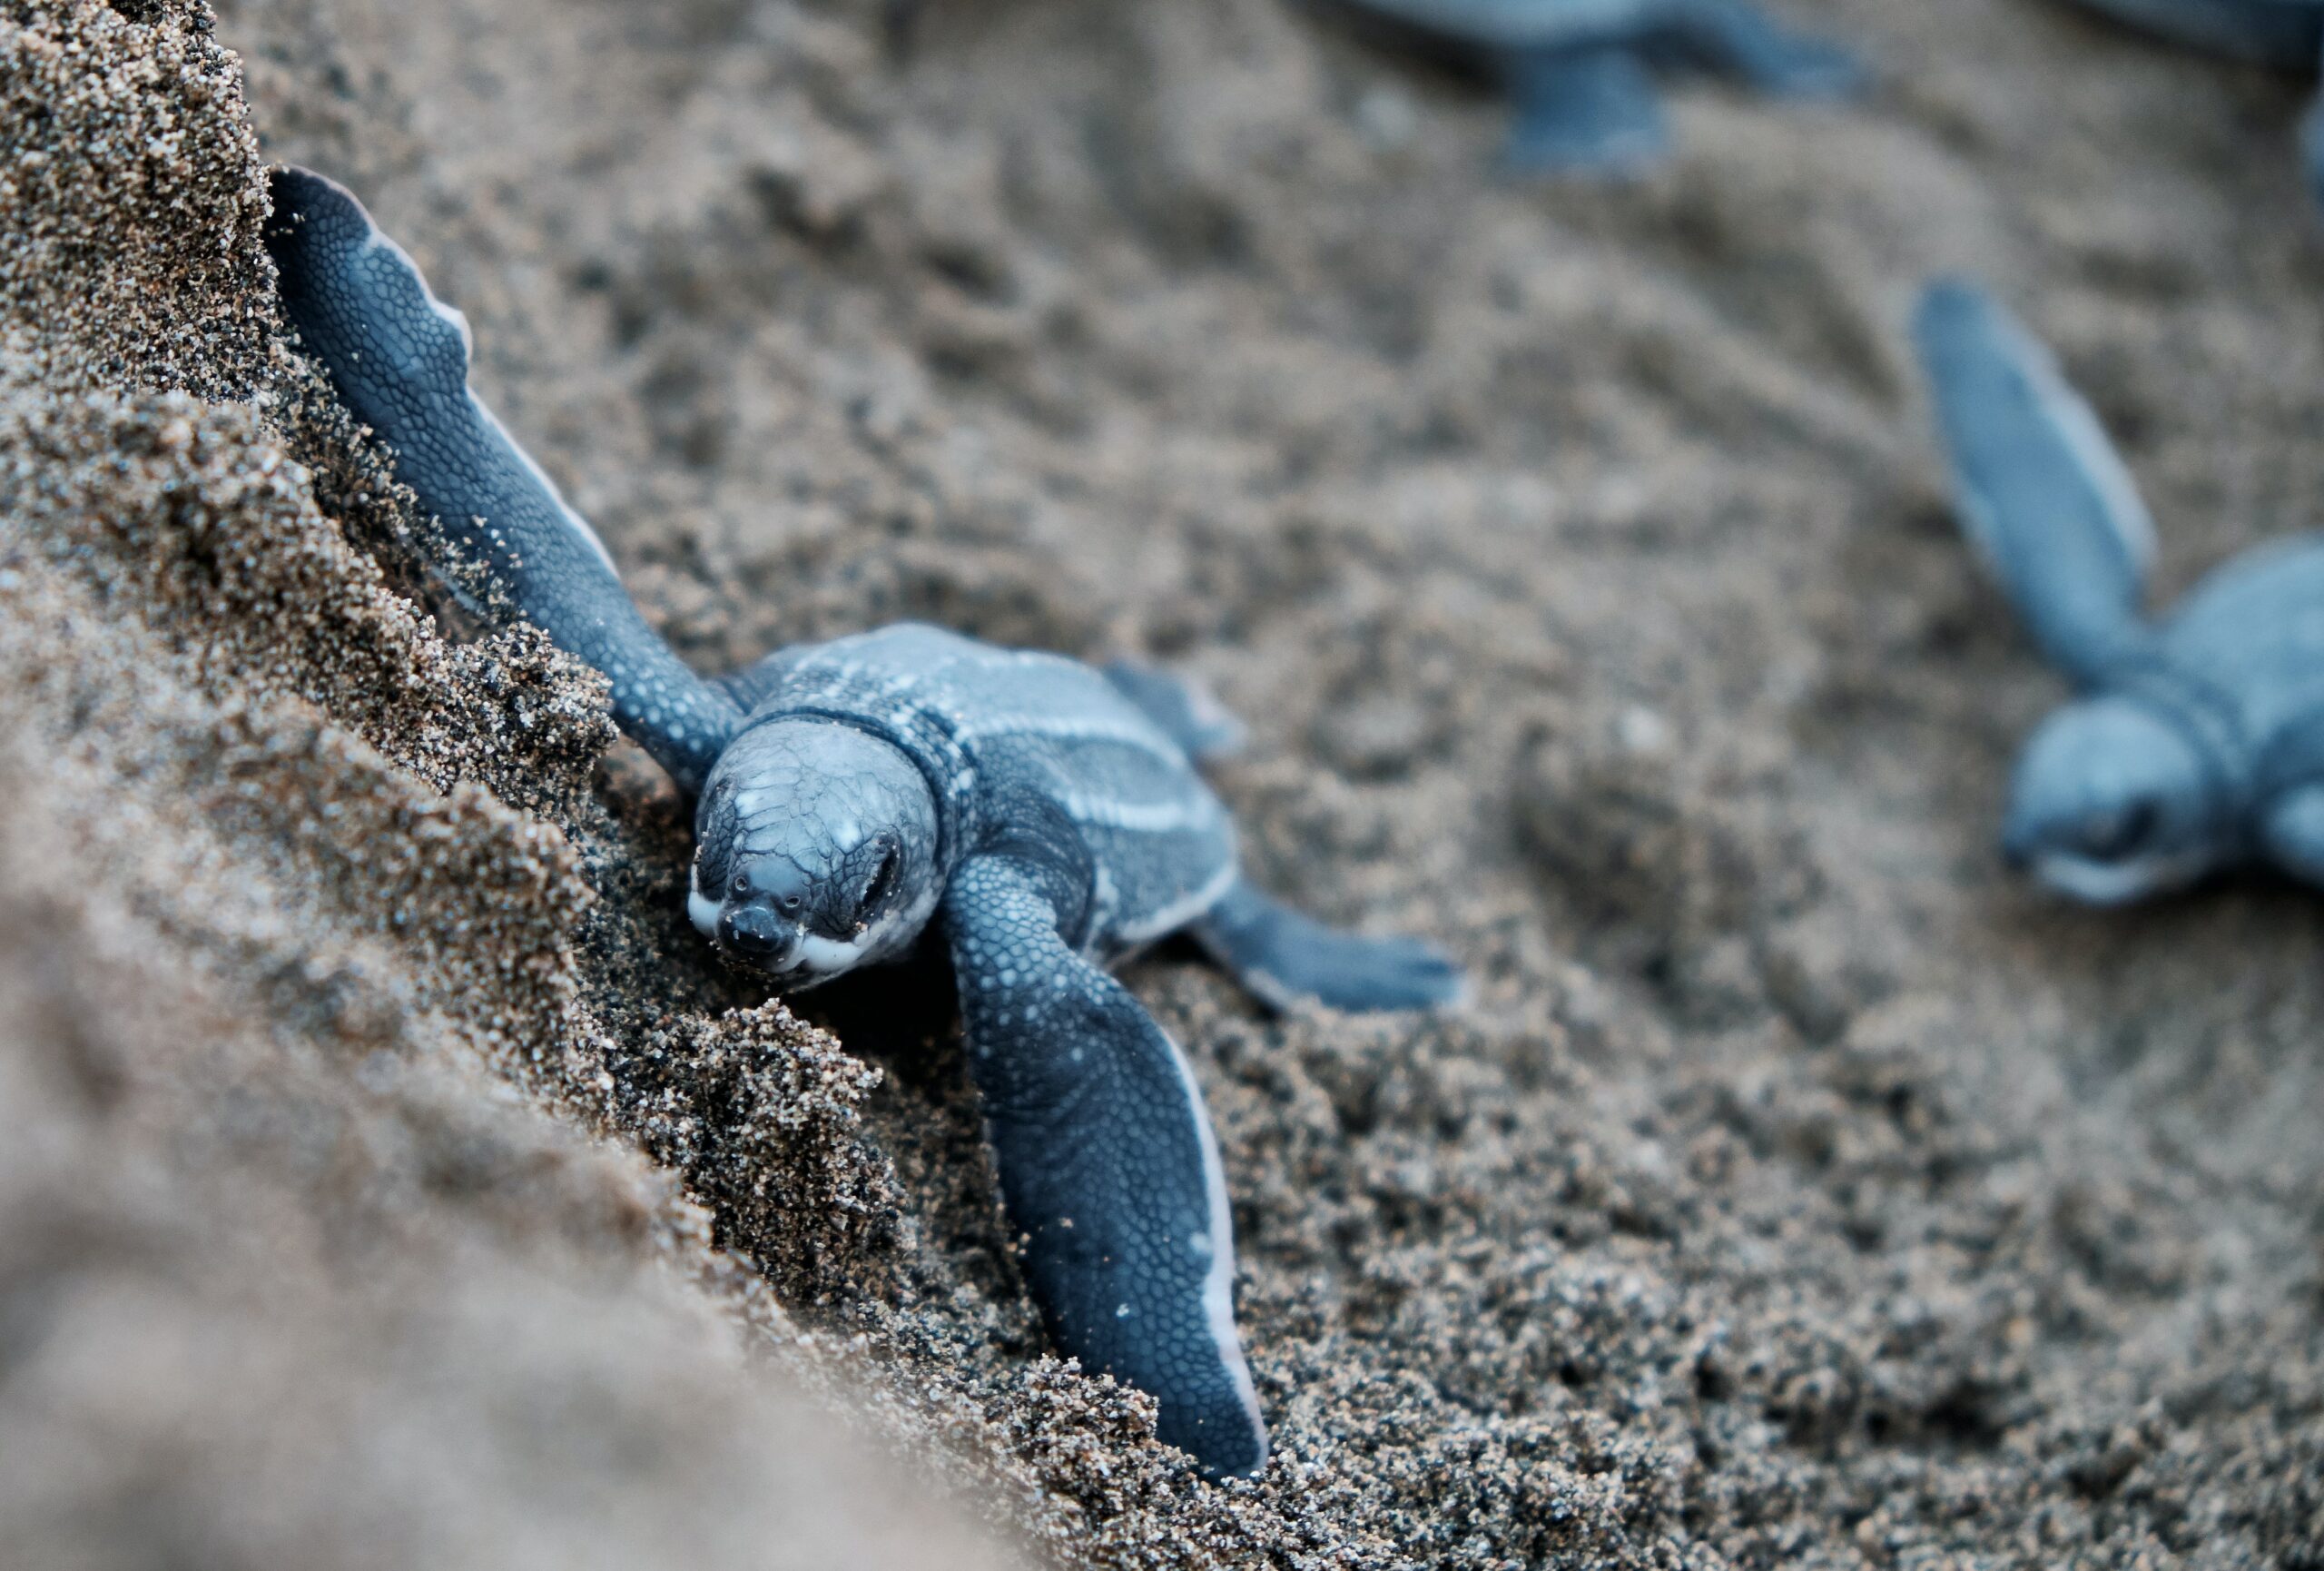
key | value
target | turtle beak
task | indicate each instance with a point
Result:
(755, 933)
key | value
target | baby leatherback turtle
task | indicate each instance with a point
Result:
(1580, 72)
(1045, 816)
(2285, 32)
(2196, 742)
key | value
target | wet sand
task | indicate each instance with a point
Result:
(396, 1178)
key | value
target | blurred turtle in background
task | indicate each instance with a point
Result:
(2285, 32)
(2195, 742)
(1581, 71)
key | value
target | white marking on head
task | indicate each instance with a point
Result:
(701, 910)
(830, 957)
(824, 958)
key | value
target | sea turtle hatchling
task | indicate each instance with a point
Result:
(1580, 72)
(2196, 742)
(1045, 816)
(2285, 32)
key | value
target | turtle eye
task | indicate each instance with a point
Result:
(742, 885)
(883, 881)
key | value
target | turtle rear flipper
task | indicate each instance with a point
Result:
(2040, 493)
(1736, 39)
(1108, 1164)
(1185, 711)
(1284, 956)
(398, 357)
(1588, 110)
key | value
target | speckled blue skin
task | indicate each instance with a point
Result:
(1047, 817)
(1580, 72)
(2286, 33)
(2196, 742)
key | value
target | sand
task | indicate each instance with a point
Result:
(394, 1178)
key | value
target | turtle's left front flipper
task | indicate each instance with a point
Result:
(1106, 1163)
(397, 357)
(2040, 490)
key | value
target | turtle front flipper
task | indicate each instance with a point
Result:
(1589, 109)
(1284, 956)
(2040, 493)
(1107, 1164)
(399, 359)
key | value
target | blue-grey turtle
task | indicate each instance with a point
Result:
(2285, 32)
(2196, 742)
(1580, 72)
(1046, 816)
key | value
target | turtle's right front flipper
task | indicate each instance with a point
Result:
(399, 359)
(2040, 493)
(1106, 1163)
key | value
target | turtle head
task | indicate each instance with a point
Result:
(2111, 803)
(815, 851)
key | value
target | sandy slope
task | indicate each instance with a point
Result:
(1800, 1187)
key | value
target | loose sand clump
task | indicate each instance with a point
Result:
(283, 1290)
(1798, 1187)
